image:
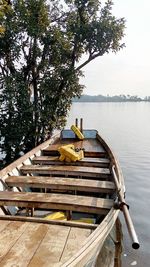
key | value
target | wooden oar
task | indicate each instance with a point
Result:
(124, 208)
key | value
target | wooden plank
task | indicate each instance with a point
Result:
(92, 147)
(51, 247)
(51, 151)
(25, 247)
(74, 242)
(69, 134)
(3, 224)
(66, 170)
(4, 220)
(9, 236)
(61, 183)
(5, 211)
(56, 201)
(88, 162)
(91, 154)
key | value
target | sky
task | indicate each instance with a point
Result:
(128, 71)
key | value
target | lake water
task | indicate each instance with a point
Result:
(126, 128)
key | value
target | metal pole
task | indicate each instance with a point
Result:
(76, 122)
(128, 220)
(81, 125)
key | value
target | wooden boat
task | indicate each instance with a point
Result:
(38, 184)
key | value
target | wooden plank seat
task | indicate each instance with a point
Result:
(61, 183)
(66, 170)
(56, 201)
(92, 148)
(52, 151)
(87, 162)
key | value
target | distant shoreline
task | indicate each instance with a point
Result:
(116, 98)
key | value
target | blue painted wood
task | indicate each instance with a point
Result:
(90, 134)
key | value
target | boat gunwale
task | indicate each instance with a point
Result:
(20, 161)
(94, 239)
(114, 161)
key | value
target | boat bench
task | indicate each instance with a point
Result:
(56, 202)
(66, 170)
(61, 183)
(52, 150)
(88, 162)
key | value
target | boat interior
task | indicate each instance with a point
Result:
(52, 207)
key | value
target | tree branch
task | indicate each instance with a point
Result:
(10, 64)
(88, 60)
(59, 18)
(27, 68)
(4, 70)
(45, 51)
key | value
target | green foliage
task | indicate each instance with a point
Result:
(5, 8)
(40, 53)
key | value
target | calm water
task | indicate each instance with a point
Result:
(126, 128)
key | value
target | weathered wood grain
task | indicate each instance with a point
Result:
(3, 224)
(56, 201)
(21, 253)
(5, 220)
(61, 183)
(66, 170)
(39, 244)
(51, 247)
(9, 235)
(75, 240)
(92, 148)
(88, 162)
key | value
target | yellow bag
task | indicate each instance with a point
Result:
(62, 158)
(68, 152)
(81, 154)
(77, 132)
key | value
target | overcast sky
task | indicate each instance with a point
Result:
(128, 71)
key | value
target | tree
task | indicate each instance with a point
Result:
(4, 8)
(40, 54)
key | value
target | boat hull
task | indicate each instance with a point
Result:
(60, 180)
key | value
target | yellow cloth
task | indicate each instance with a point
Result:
(61, 216)
(68, 153)
(85, 220)
(56, 216)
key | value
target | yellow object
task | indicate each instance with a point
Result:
(69, 153)
(85, 220)
(69, 146)
(56, 216)
(67, 159)
(62, 158)
(81, 154)
(77, 132)
(62, 217)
